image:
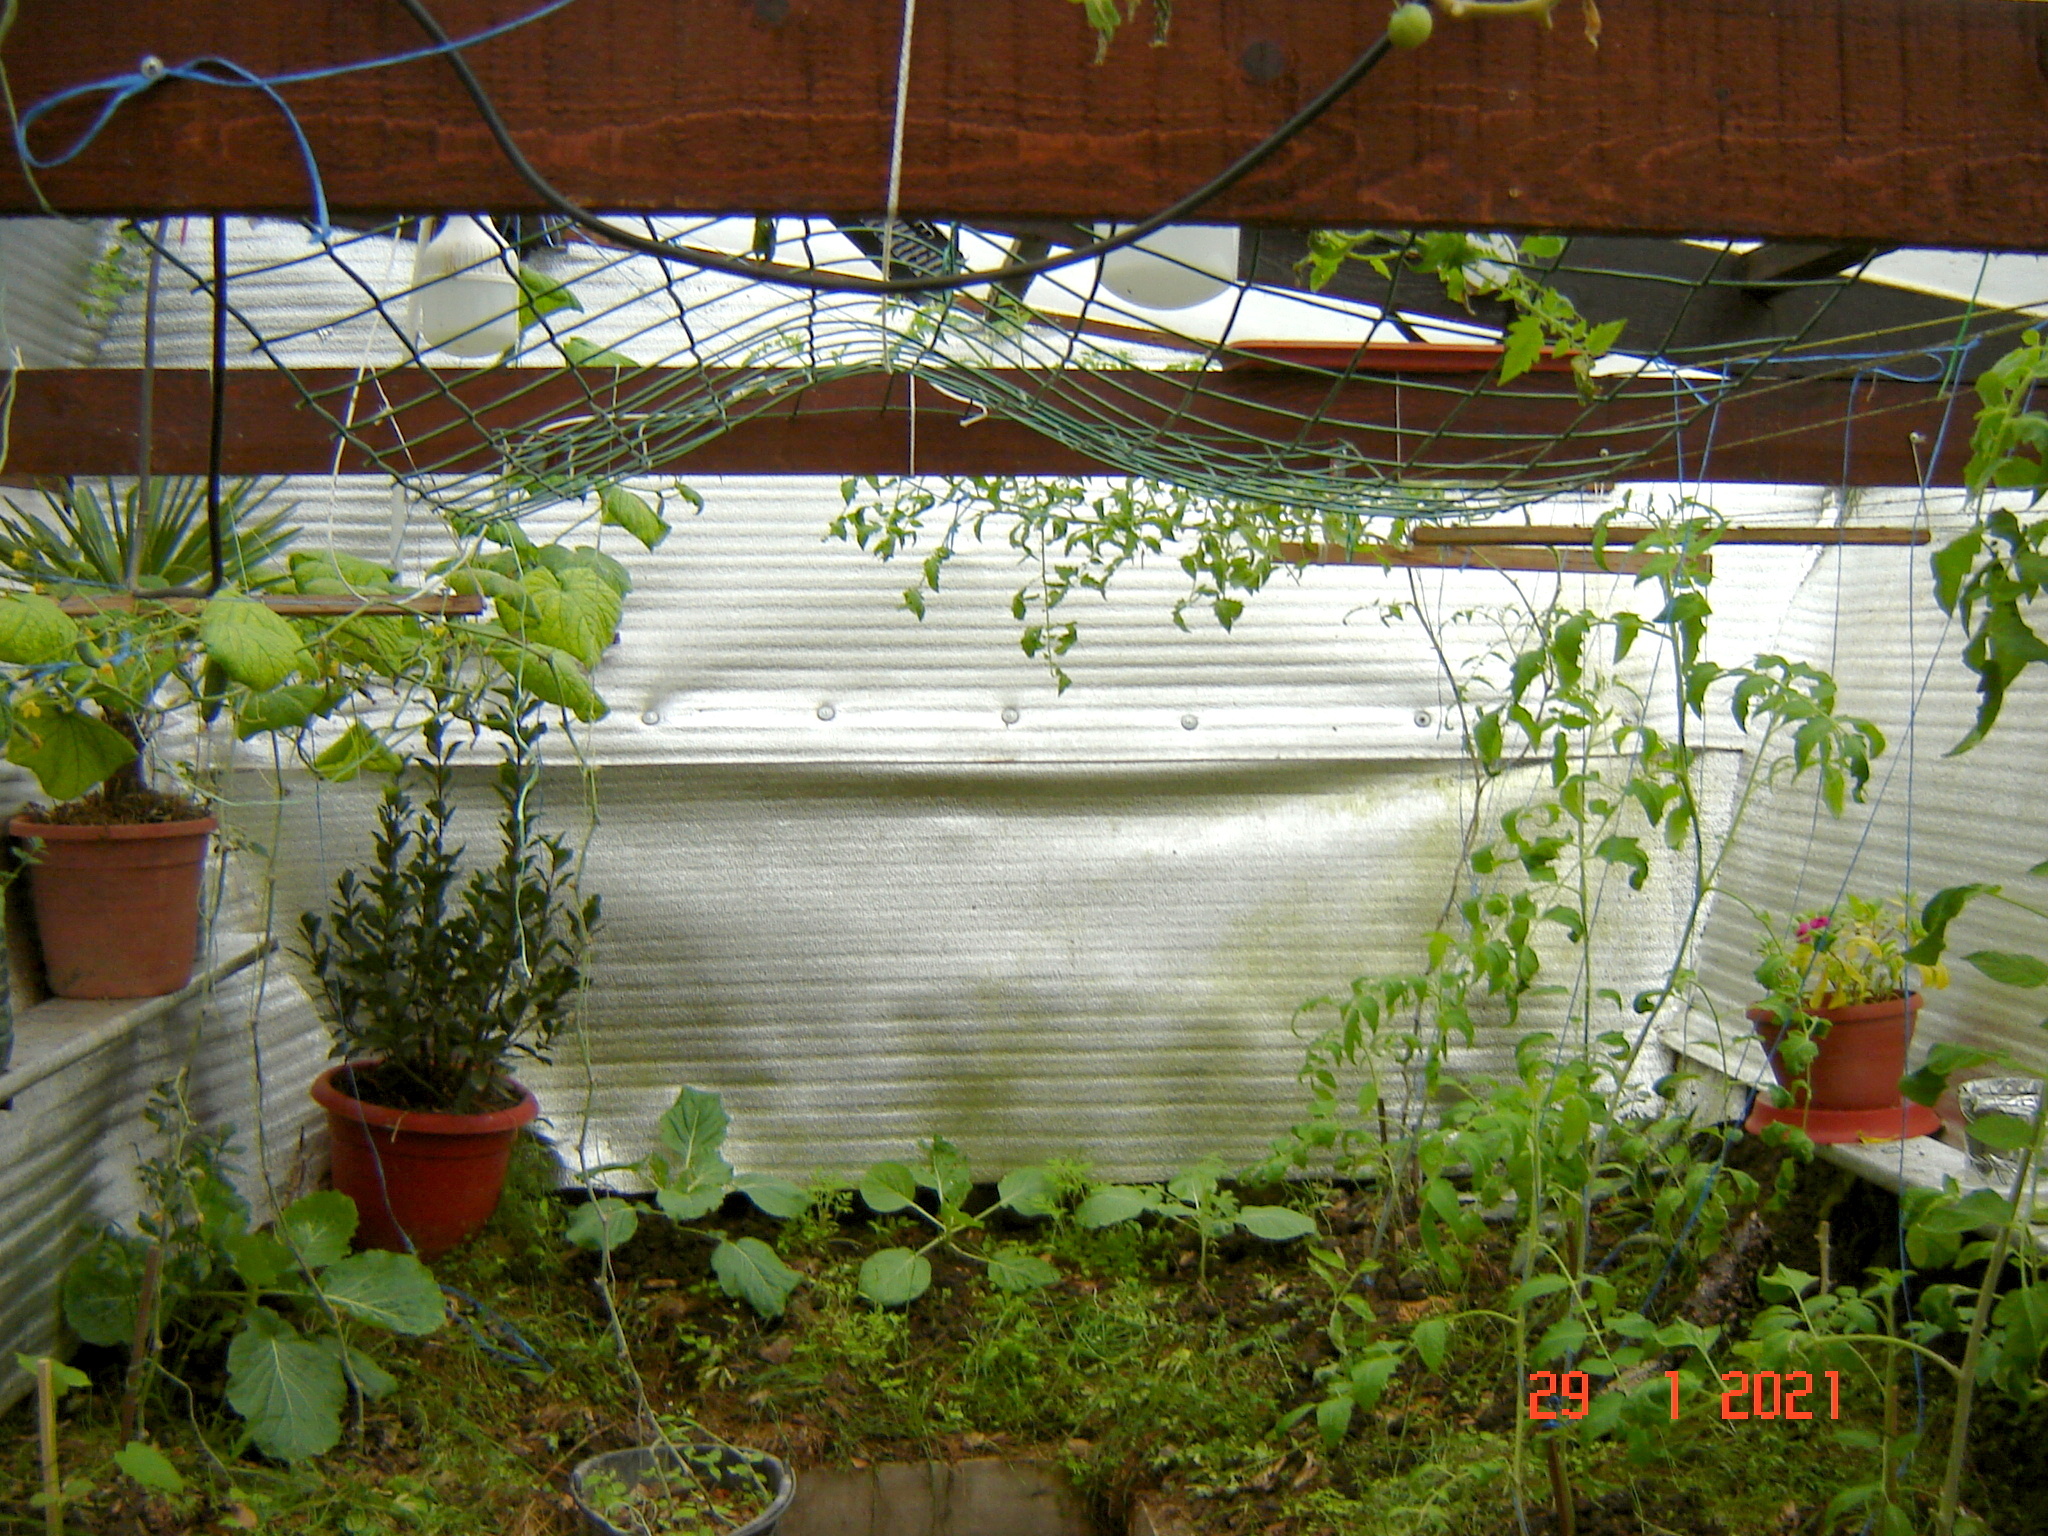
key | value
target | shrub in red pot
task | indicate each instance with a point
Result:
(435, 980)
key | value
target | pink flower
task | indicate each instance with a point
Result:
(1809, 928)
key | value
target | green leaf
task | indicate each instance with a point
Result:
(68, 752)
(101, 1288)
(365, 1374)
(1564, 1337)
(1431, 1340)
(334, 573)
(259, 1258)
(62, 1377)
(392, 1290)
(288, 1388)
(1029, 1192)
(1524, 344)
(629, 510)
(895, 1277)
(254, 646)
(1114, 1203)
(1600, 339)
(1333, 1418)
(149, 1466)
(1943, 1061)
(1536, 1288)
(553, 676)
(750, 1271)
(603, 1225)
(1275, 1223)
(1628, 853)
(694, 1129)
(283, 709)
(1012, 1269)
(541, 295)
(2011, 969)
(772, 1196)
(888, 1187)
(583, 353)
(34, 631)
(950, 1174)
(356, 751)
(318, 1227)
(2002, 1133)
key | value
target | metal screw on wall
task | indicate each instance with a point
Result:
(1189, 722)
(1011, 714)
(826, 711)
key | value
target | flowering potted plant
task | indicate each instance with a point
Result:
(434, 980)
(1842, 1000)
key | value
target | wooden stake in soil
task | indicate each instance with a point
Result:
(46, 1443)
(1822, 1236)
(139, 1348)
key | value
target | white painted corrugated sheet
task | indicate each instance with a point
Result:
(1932, 820)
(43, 266)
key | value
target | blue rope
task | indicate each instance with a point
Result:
(522, 1353)
(210, 69)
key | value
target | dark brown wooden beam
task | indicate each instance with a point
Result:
(1485, 557)
(1825, 121)
(1800, 431)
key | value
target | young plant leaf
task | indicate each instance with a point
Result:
(254, 646)
(772, 1196)
(149, 1466)
(392, 1290)
(368, 1377)
(603, 1225)
(888, 1187)
(750, 1271)
(288, 1388)
(1012, 1269)
(318, 1228)
(2002, 1133)
(629, 510)
(1431, 1339)
(895, 1277)
(2010, 969)
(694, 1129)
(1029, 1192)
(1275, 1223)
(68, 752)
(34, 631)
(356, 751)
(1114, 1203)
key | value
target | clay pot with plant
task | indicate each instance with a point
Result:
(1843, 1000)
(435, 980)
(104, 641)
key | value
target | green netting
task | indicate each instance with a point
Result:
(627, 365)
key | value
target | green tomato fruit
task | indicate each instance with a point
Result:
(1409, 26)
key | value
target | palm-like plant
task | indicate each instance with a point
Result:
(83, 540)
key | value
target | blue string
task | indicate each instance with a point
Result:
(210, 69)
(522, 1353)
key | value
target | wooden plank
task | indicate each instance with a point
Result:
(1823, 121)
(292, 604)
(1620, 538)
(1802, 431)
(1467, 557)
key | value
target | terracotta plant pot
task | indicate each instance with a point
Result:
(1851, 1092)
(117, 908)
(414, 1174)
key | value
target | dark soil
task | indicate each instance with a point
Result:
(388, 1088)
(128, 807)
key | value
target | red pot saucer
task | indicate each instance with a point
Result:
(1833, 1127)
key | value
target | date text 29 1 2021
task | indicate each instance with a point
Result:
(1758, 1395)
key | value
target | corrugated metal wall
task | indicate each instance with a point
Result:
(43, 267)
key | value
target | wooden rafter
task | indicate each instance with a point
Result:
(1823, 122)
(1800, 431)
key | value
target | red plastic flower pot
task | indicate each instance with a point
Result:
(429, 1177)
(1862, 1056)
(1852, 1088)
(117, 907)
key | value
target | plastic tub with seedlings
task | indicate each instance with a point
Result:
(688, 1490)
